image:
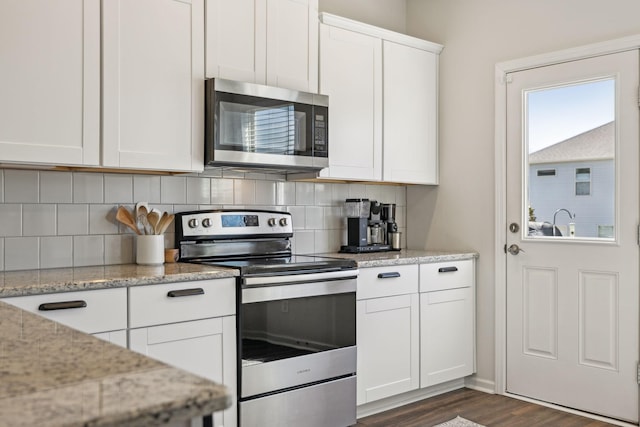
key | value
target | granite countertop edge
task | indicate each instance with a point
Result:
(405, 257)
(46, 281)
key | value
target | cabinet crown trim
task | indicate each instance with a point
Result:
(382, 33)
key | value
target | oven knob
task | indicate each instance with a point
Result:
(283, 222)
(271, 222)
(193, 223)
(206, 223)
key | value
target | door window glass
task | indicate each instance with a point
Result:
(570, 139)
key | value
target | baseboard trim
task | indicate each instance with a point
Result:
(408, 397)
(480, 384)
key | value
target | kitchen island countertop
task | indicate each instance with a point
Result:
(405, 256)
(52, 375)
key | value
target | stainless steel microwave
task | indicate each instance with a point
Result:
(251, 125)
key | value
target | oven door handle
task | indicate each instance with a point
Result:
(300, 278)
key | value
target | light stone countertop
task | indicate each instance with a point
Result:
(32, 282)
(403, 257)
(52, 375)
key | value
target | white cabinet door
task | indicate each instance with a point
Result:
(388, 345)
(351, 74)
(447, 336)
(272, 42)
(50, 85)
(153, 84)
(203, 347)
(235, 40)
(410, 115)
(292, 44)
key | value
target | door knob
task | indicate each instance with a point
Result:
(514, 249)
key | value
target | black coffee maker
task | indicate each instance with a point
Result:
(366, 230)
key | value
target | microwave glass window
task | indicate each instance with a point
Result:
(277, 129)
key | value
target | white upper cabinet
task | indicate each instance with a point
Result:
(50, 85)
(355, 113)
(382, 89)
(153, 84)
(410, 112)
(272, 42)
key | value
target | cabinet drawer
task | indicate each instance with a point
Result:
(179, 302)
(446, 275)
(379, 282)
(94, 311)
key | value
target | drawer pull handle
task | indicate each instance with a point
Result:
(447, 269)
(63, 305)
(388, 275)
(185, 292)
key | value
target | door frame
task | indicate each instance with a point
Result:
(501, 71)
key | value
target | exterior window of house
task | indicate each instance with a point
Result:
(546, 172)
(583, 181)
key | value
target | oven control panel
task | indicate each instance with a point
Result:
(235, 223)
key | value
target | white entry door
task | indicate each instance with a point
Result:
(572, 238)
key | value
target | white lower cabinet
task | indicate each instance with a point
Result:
(190, 325)
(447, 322)
(387, 332)
(100, 312)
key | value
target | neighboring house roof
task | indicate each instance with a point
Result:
(594, 144)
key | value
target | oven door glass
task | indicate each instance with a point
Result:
(261, 125)
(287, 328)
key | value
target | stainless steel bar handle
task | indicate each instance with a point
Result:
(447, 269)
(62, 305)
(185, 292)
(389, 275)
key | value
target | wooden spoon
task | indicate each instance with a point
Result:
(125, 217)
(154, 218)
(165, 221)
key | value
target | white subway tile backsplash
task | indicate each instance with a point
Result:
(146, 189)
(21, 186)
(305, 194)
(88, 250)
(118, 249)
(298, 217)
(173, 189)
(56, 251)
(314, 217)
(11, 220)
(244, 192)
(102, 219)
(266, 193)
(88, 188)
(118, 188)
(198, 191)
(323, 194)
(285, 193)
(303, 242)
(21, 253)
(39, 220)
(73, 219)
(340, 194)
(56, 187)
(56, 219)
(222, 191)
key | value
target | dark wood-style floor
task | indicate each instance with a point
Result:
(491, 410)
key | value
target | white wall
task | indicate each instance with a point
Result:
(459, 214)
(389, 14)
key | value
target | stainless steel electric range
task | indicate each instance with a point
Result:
(296, 322)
